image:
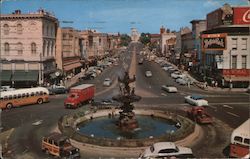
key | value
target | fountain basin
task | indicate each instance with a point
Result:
(68, 125)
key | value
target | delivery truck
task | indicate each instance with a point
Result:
(79, 95)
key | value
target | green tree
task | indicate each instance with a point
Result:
(125, 40)
(145, 38)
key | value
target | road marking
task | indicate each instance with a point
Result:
(227, 106)
(233, 114)
(212, 106)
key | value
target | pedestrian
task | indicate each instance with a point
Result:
(216, 84)
(205, 84)
(213, 83)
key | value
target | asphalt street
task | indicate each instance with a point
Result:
(229, 109)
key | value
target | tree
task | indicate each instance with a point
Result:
(125, 40)
(145, 38)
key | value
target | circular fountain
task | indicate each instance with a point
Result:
(126, 126)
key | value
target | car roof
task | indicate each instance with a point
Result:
(56, 136)
(164, 145)
(195, 96)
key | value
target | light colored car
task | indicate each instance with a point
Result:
(148, 74)
(181, 81)
(175, 74)
(107, 82)
(170, 89)
(166, 149)
(196, 100)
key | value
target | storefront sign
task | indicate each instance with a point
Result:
(237, 72)
(241, 15)
(214, 41)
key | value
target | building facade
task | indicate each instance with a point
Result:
(165, 36)
(69, 48)
(226, 50)
(27, 48)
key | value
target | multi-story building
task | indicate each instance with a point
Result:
(165, 36)
(198, 26)
(69, 48)
(226, 49)
(27, 48)
(187, 48)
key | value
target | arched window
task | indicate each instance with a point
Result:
(19, 48)
(19, 29)
(44, 47)
(6, 29)
(52, 48)
(33, 48)
(52, 31)
(47, 30)
(6, 48)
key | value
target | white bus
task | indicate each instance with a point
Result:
(240, 140)
(20, 97)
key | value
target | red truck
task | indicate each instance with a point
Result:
(79, 95)
(199, 115)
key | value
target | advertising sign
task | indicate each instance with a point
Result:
(237, 72)
(214, 41)
(241, 15)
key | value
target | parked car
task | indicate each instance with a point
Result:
(148, 74)
(168, 88)
(166, 149)
(58, 90)
(104, 103)
(140, 62)
(87, 76)
(59, 145)
(181, 81)
(6, 88)
(171, 70)
(196, 100)
(107, 82)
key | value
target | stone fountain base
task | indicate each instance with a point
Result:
(127, 121)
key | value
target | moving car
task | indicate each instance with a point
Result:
(199, 115)
(59, 145)
(57, 90)
(168, 88)
(107, 82)
(166, 149)
(140, 61)
(104, 103)
(148, 74)
(196, 100)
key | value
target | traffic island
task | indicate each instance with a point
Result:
(68, 125)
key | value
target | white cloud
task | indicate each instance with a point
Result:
(211, 3)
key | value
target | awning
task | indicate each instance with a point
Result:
(25, 76)
(239, 79)
(5, 75)
(72, 66)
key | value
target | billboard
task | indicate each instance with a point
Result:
(214, 41)
(241, 15)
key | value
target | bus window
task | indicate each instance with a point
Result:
(1, 98)
(247, 141)
(32, 94)
(19, 96)
(23, 95)
(27, 95)
(5, 98)
(44, 93)
(14, 96)
(238, 138)
(41, 93)
(10, 97)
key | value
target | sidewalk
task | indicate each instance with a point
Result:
(201, 85)
(73, 80)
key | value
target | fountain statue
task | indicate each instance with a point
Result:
(127, 120)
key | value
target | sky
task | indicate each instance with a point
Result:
(112, 16)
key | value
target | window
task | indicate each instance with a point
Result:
(47, 31)
(238, 138)
(19, 29)
(32, 94)
(6, 48)
(244, 43)
(19, 48)
(234, 43)
(6, 29)
(244, 61)
(10, 97)
(33, 48)
(19, 96)
(100, 41)
(247, 141)
(48, 45)
(167, 151)
(23, 95)
(234, 62)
